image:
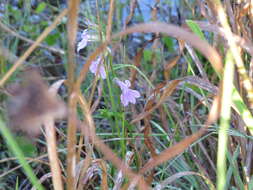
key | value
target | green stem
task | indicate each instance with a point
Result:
(226, 102)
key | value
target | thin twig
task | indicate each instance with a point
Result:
(109, 21)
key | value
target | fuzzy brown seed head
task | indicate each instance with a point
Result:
(30, 104)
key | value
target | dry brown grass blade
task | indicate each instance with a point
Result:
(119, 178)
(109, 21)
(168, 66)
(80, 146)
(96, 102)
(163, 116)
(182, 145)
(158, 27)
(166, 92)
(104, 184)
(52, 153)
(181, 44)
(51, 142)
(86, 163)
(147, 137)
(72, 31)
(33, 46)
(150, 145)
(172, 151)
(71, 138)
(92, 171)
(201, 83)
(73, 6)
(94, 85)
(137, 63)
(231, 15)
(109, 155)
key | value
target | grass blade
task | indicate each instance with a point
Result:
(12, 144)
(195, 28)
(226, 102)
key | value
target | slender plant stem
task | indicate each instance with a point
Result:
(109, 22)
(52, 154)
(71, 133)
(226, 101)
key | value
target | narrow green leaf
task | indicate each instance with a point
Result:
(242, 110)
(12, 144)
(235, 169)
(195, 28)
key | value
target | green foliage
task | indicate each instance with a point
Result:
(16, 13)
(168, 42)
(147, 55)
(41, 7)
(26, 146)
(52, 39)
(195, 28)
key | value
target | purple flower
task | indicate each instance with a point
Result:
(128, 95)
(83, 43)
(98, 64)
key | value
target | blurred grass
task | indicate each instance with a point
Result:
(183, 111)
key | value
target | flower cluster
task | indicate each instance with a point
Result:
(97, 64)
(97, 67)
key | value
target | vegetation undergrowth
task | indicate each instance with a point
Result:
(126, 94)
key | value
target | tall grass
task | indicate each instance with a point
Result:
(190, 129)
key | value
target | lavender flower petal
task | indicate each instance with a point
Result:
(83, 43)
(128, 95)
(123, 100)
(97, 64)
